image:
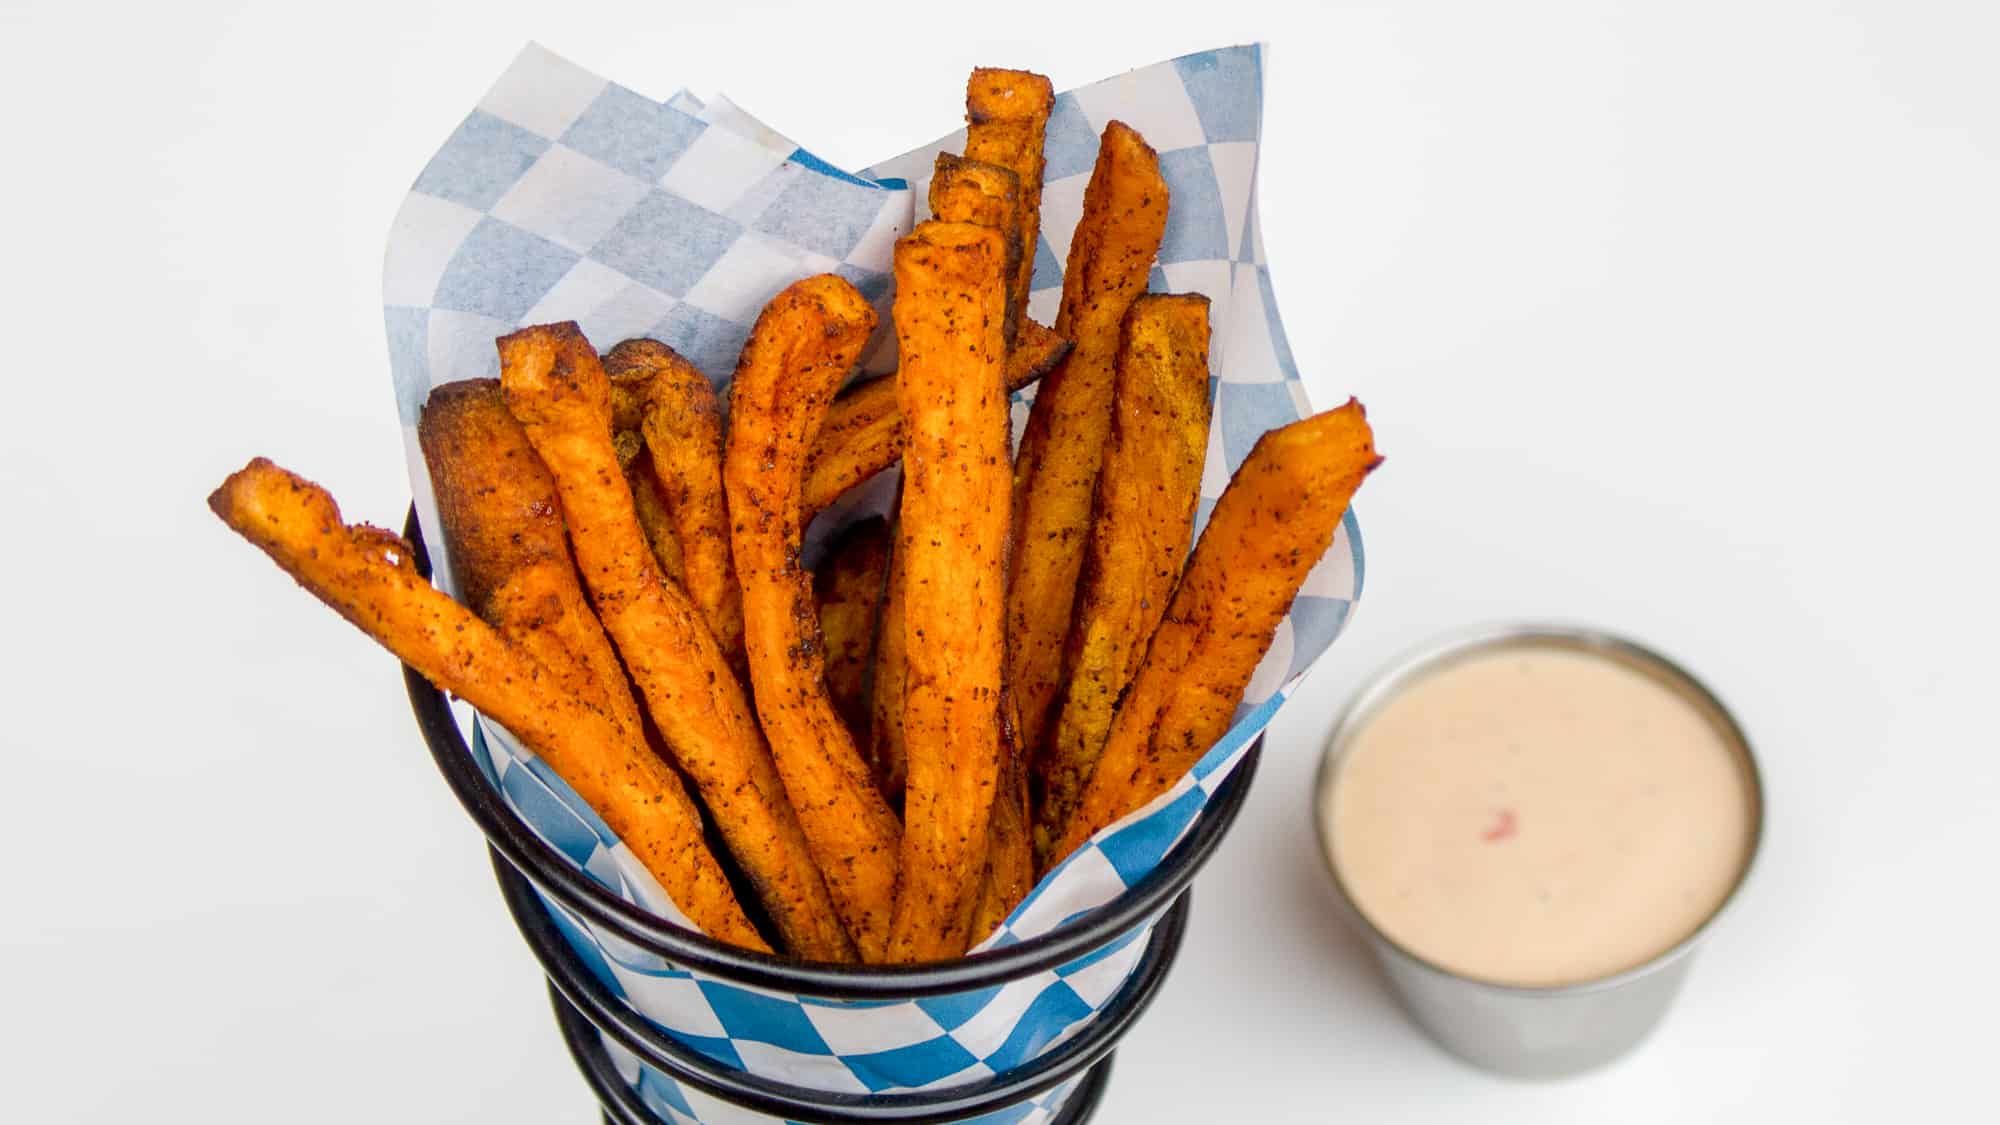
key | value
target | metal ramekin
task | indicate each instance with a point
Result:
(1532, 1031)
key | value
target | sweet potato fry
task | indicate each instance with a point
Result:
(1055, 473)
(1010, 854)
(848, 587)
(1146, 496)
(682, 423)
(555, 386)
(803, 345)
(650, 505)
(1271, 526)
(886, 753)
(496, 498)
(368, 576)
(972, 191)
(503, 533)
(1007, 116)
(541, 609)
(950, 301)
(863, 433)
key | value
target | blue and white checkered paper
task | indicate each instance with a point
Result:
(680, 1103)
(565, 197)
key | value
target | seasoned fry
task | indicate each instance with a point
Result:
(369, 577)
(503, 532)
(972, 191)
(803, 345)
(1146, 496)
(496, 499)
(950, 302)
(1010, 854)
(555, 386)
(1007, 115)
(682, 423)
(1055, 473)
(541, 608)
(655, 520)
(1271, 526)
(863, 433)
(886, 752)
(848, 587)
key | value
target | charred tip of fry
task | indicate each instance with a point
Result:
(1162, 301)
(995, 179)
(454, 395)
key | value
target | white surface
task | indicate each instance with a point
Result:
(1675, 318)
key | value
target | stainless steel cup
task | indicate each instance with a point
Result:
(1540, 1031)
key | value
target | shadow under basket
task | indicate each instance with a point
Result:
(531, 870)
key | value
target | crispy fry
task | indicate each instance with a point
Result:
(972, 191)
(1146, 496)
(863, 433)
(1055, 474)
(503, 534)
(1007, 115)
(555, 386)
(950, 301)
(848, 587)
(496, 499)
(802, 347)
(682, 423)
(1270, 528)
(655, 520)
(886, 753)
(369, 577)
(1010, 854)
(541, 608)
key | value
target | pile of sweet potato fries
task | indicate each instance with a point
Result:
(891, 749)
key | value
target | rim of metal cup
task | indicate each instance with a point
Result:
(554, 875)
(581, 989)
(1457, 645)
(623, 1106)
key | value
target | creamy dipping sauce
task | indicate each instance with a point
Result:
(1530, 815)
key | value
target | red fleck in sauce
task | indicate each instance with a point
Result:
(1538, 816)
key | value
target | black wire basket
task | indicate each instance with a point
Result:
(623, 1106)
(531, 870)
(590, 1014)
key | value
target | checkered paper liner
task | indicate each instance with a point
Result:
(679, 1103)
(565, 197)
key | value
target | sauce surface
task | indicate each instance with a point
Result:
(1535, 816)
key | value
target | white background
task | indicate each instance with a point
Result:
(1679, 319)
